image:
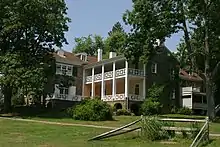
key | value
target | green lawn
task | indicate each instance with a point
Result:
(120, 121)
(27, 134)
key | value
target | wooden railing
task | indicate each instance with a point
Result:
(202, 135)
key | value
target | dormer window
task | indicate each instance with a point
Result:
(82, 56)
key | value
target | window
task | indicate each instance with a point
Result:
(83, 57)
(64, 69)
(75, 71)
(172, 74)
(136, 90)
(64, 91)
(154, 68)
(58, 68)
(173, 94)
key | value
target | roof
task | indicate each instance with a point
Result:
(104, 61)
(71, 58)
(185, 76)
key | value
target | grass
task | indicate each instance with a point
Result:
(120, 121)
(26, 134)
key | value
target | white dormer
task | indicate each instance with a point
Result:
(82, 56)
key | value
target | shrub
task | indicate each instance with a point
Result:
(151, 106)
(18, 100)
(185, 111)
(152, 129)
(174, 110)
(92, 110)
(122, 112)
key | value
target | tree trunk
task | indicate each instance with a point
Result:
(187, 40)
(7, 91)
(208, 74)
(210, 97)
(44, 100)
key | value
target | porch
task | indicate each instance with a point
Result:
(115, 81)
(193, 98)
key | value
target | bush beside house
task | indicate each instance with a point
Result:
(91, 110)
(152, 105)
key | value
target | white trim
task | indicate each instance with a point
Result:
(126, 79)
(103, 82)
(106, 61)
(69, 73)
(93, 78)
(155, 67)
(113, 81)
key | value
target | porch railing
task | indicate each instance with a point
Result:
(135, 72)
(118, 73)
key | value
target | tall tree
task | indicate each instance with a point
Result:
(155, 19)
(26, 43)
(89, 44)
(117, 27)
(115, 42)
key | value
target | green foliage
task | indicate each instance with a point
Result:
(18, 100)
(115, 42)
(152, 105)
(155, 91)
(185, 111)
(27, 44)
(123, 112)
(152, 129)
(92, 110)
(194, 126)
(89, 44)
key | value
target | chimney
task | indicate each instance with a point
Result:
(99, 55)
(112, 55)
(60, 52)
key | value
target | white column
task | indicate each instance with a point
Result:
(93, 79)
(126, 80)
(103, 82)
(113, 81)
(83, 84)
(144, 82)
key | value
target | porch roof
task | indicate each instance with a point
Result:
(104, 61)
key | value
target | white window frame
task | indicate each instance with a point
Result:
(64, 68)
(172, 74)
(64, 94)
(173, 94)
(154, 68)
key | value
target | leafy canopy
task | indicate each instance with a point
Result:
(29, 30)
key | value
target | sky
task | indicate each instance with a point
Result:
(98, 17)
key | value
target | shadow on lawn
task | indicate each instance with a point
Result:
(26, 112)
(36, 111)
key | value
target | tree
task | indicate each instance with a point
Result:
(115, 42)
(28, 32)
(154, 19)
(89, 44)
